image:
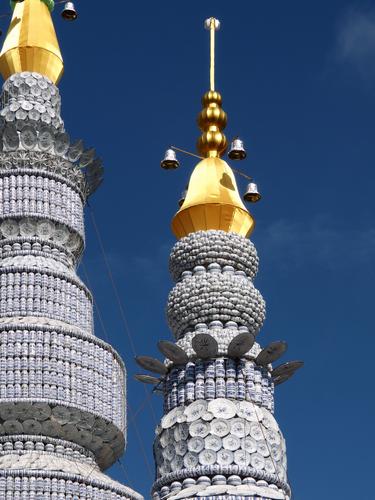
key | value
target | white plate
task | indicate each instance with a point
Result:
(27, 227)
(242, 458)
(164, 438)
(256, 432)
(169, 419)
(177, 463)
(181, 448)
(199, 429)
(249, 411)
(222, 408)
(169, 452)
(45, 229)
(46, 137)
(231, 443)
(190, 460)
(26, 105)
(196, 444)
(263, 448)
(10, 137)
(239, 427)
(28, 137)
(207, 457)
(9, 228)
(220, 427)
(62, 143)
(213, 443)
(276, 452)
(269, 420)
(184, 431)
(272, 437)
(268, 466)
(177, 433)
(195, 410)
(34, 115)
(75, 151)
(225, 457)
(249, 444)
(257, 461)
(73, 242)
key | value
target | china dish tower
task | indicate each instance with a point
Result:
(218, 438)
(62, 390)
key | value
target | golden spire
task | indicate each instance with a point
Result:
(212, 119)
(31, 43)
(212, 200)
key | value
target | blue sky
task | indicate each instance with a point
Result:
(298, 83)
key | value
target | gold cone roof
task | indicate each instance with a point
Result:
(31, 43)
(212, 202)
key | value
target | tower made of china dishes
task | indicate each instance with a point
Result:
(62, 390)
(218, 438)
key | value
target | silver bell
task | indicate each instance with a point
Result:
(252, 194)
(182, 199)
(237, 150)
(69, 13)
(170, 161)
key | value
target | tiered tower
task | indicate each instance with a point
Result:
(62, 390)
(218, 438)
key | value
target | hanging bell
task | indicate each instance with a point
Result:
(252, 194)
(182, 199)
(69, 13)
(237, 150)
(170, 161)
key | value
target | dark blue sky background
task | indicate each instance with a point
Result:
(298, 82)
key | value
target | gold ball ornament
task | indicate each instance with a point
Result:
(212, 120)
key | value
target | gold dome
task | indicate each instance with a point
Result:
(212, 202)
(31, 43)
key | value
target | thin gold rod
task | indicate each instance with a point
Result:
(212, 55)
(202, 158)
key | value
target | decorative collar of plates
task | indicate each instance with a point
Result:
(32, 134)
(218, 435)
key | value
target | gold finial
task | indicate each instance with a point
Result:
(212, 119)
(212, 200)
(31, 43)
